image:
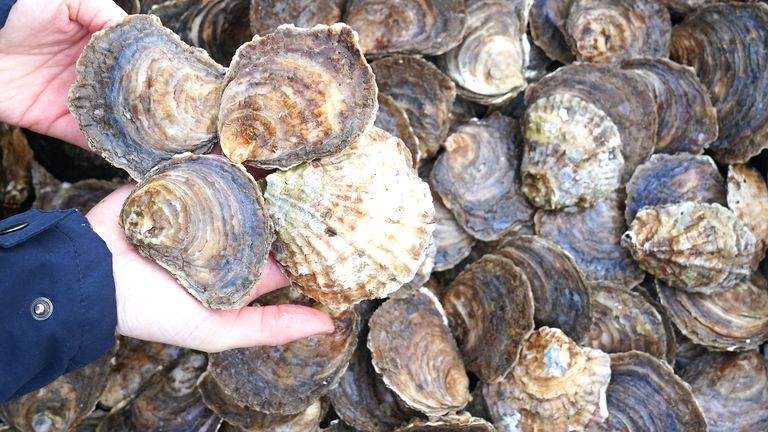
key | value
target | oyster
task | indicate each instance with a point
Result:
(51, 194)
(452, 242)
(686, 351)
(477, 177)
(353, 226)
(296, 95)
(736, 319)
(490, 312)
(460, 423)
(555, 386)
(687, 119)
(547, 21)
(489, 64)
(393, 119)
(129, 6)
(727, 45)
(142, 95)
(646, 395)
(203, 219)
(748, 198)
(693, 246)
(593, 238)
(412, 348)
(672, 179)
(268, 15)
(17, 157)
(683, 7)
(732, 390)
(423, 92)
(427, 27)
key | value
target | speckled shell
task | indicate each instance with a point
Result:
(142, 95)
(546, 21)
(353, 226)
(555, 386)
(693, 246)
(393, 119)
(203, 219)
(413, 350)
(732, 390)
(423, 92)
(671, 179)
(490, 312)
(748, 198)
(477, 177)
(452, 242)
(460, 423)
(727, 45)
(490, 63)
(267, 15)
(296, 95)
(426, 27)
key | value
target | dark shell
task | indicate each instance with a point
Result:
(142, 95)
(732, 390)
(203, 219)
(393, 119)
(423, 92)
(83, 195)
(490, 312)
(477, 177)
(413, 350)
(727, 45)
(427, 27)
(268, 15)
(129, 6)
(296, 95)
(593, 238)
(686, 352)
(17, 192)
(687, 119)
(452, 242)
(671, 179)
(89, 424)
(547, 23)
(450, 423)
(286, 379)
(561, 297)
(683, 7)
(748, 198)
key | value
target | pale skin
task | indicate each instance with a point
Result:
(39, 46)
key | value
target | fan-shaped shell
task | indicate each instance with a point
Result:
(748, 198)
(452, 242)
(267, 15)
(142, 95)
(393, 119)
(296, 95)
(203, 219)
(547, 21)
(460, 423)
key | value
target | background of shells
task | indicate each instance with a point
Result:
(535, 297)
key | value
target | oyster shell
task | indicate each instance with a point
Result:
(461, 423)
(555, 386)
(413, 350)
(423, 92)
(727, 45)
(452, 242)
(684, 7)
(477, 177)
(693, 246)
(735, 319)
(352, 226)
(748, 198)
(732, 390)
(546, 20)
(142, 95)
(646, 395)
(203, 219)
(686, 351)
(427, 27)
(672, 179)
(17, 157)
(267, 15)
(593, 238)
(82, 195)
(129, 6)
(393, 119)
(489, 64)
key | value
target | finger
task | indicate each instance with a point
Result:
(272, 278)
(95, 15)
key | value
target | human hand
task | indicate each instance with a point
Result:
(152, 306)
(39, 46)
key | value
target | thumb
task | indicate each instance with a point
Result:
(94, 15)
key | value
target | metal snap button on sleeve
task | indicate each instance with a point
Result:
(41, 308)
(13, 228)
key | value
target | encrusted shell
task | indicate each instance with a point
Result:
(748, 198)
(555, 386)
(451, 423)
(267, 15)
(353, 226)
(413, 350)
(392, 118)
(16, 177)
(296, 95)
(693, 246)
(452, 242)
(142, 95)
(546, 21)
(203, 219)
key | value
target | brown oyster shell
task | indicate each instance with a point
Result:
(413, 350)
(16, 180)
(393, 119)
(546, 20)
(461, 423)
(129, 6)
(727, 45)
(347, 232)
(51, 194)
(732, 389)
(477, 177)
(268, 15)
(203, 219)
(735, 319)
(426, 27)
(593, 238)
(423, 92)
(684, 7)
(490, 312)
(296, 95)
(748, 198)
(452, 242)
(671, 179)
(646, 395)
(555, 386)
(687, 351)
(694, 246)
(489, 64)
(142, 95)
(687, 119)
(561, 297)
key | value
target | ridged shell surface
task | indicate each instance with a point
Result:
(451, 423)
(267, 15)
(748, 198)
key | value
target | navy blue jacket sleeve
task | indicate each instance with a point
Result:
(5, 9)
(57, 298)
